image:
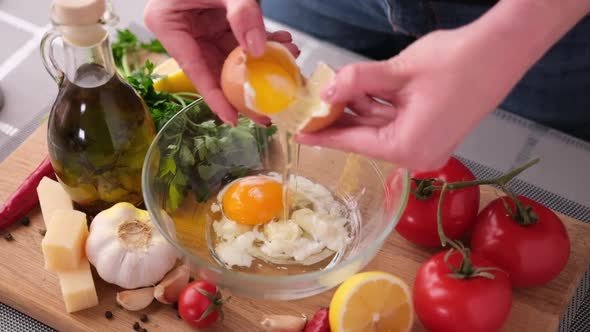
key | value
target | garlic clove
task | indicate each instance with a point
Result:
(169, 289)
(136, 299)
(283, 323)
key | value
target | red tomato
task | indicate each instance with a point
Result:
(531, 254)
(444, 303)
(200, 304)
(418, 223)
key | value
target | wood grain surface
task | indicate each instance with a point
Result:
(26, 286)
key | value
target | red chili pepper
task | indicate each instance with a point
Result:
(319, 323)
(25, 198)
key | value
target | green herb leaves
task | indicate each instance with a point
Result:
(127, 44)
(162, 105)
(200, 154)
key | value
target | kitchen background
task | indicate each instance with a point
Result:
(500, 142)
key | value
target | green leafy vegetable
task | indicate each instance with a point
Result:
(127, 45)
(126, 42)
(162, 105)
(198, 152)
(153, 46)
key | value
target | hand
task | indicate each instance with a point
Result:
(199, 34)
(415, 108)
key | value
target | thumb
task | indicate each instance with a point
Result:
(365, 78)
(245, 20)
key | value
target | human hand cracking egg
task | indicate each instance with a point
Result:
(272, 85)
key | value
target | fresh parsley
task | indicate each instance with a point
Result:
(128, 46)
(200, 154)
(162, 105)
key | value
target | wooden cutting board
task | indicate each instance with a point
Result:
(27, 287)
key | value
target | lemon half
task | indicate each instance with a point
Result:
(172, 78)
(372, 301)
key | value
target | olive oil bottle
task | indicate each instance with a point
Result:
(99, 128)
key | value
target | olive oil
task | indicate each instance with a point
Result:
(99, 133)
(99, 128)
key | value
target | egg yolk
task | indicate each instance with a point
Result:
(253, 200)
(273, 86)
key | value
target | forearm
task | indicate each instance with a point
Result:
(514, 34)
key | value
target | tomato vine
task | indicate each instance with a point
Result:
(525, 214)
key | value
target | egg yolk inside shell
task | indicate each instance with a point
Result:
(273, 85)
(253, 200)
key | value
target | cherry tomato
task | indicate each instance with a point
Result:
(531, 254)
(200, 304)
(445, 303)
(418, 223)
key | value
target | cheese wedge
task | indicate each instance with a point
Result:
(77, 287)
(64, 242)
(52, 196)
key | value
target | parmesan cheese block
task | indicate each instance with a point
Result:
(52, 196)
(64, 242)
(77, 287)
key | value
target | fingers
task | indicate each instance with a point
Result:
(365, 78)
(349, 120)
(363, 140)
(191, 59)
(293, 49)
(285, 38)
(245, 19)
(173, 29)
(280, 36)
(219, 105)
(261, 120)
(371, 108)
(382, 143)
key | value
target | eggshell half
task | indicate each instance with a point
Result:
(317, 123)
(324, 114)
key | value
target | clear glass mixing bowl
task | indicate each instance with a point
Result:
(350, 177)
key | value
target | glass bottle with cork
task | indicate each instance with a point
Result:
(99, 128)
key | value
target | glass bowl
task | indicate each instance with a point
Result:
(168, 174)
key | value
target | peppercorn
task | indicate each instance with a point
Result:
(191, 279)
(108, 314)
(143, 318)
(25, 221)
(136, 326)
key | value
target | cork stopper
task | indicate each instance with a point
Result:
(79, 20)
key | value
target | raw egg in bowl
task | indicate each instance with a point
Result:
(273, 85)
(240, 223)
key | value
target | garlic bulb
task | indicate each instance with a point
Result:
(126, 249)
